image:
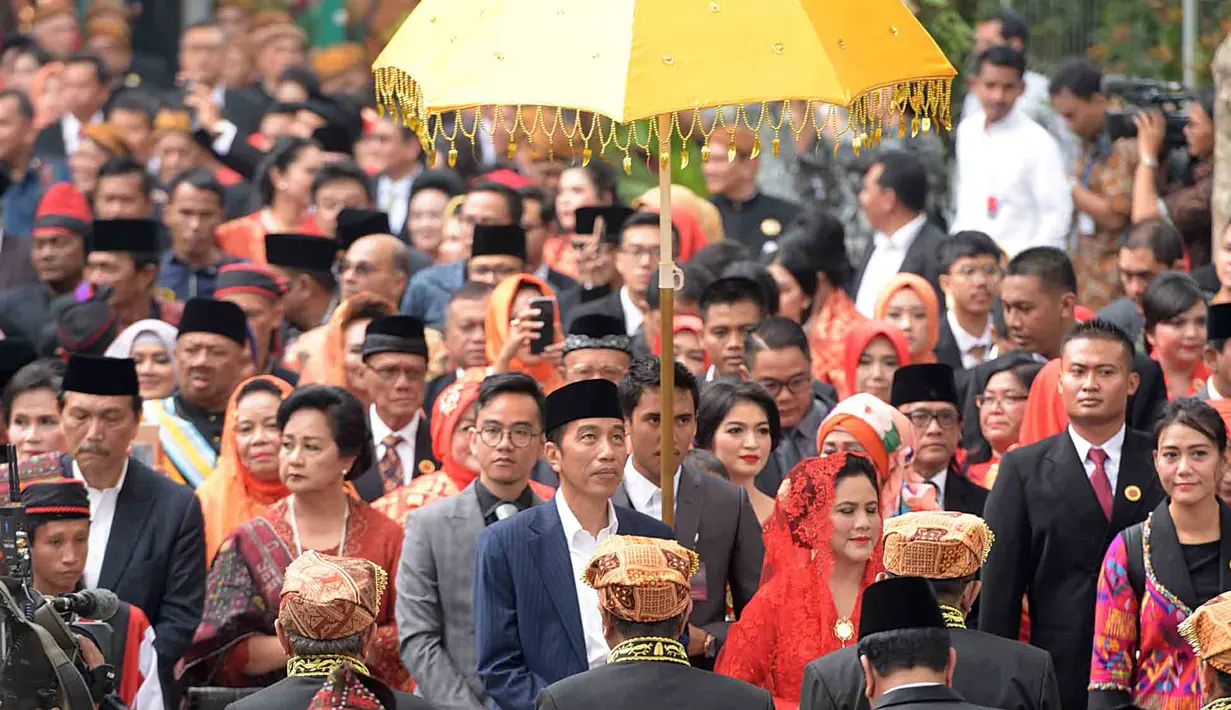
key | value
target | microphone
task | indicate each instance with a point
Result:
(93, 604)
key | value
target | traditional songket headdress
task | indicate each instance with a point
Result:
(1208, 631)
(326, 597)
(937, 544)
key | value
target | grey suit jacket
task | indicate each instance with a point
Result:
(435, 601)
(715, 519)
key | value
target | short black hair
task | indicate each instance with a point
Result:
(94, 60)
(731, 291)
(1196, 415)
(602, 176)
(720, 397)
(696, 280)
(1051, 266)
(1168, 296)
(1157, 235)
(796, 263)
(906, 175)
(547, 206)
(645, 218)
(472, 291)
(512, 382)
(258, 385)
(124, 167)
(645, 373)
(339, 170)
(890, 651)
(819, 239)
(441, 180)
(764, 280)
(1099, 329)
(348, 421)
(1001, 55)
(775, 333)
(1079, 76)
(199, 179)
(511, 198)
(715, 257)
(25, 108)
(1012, 25)
(38, 375)
(1223, 680)
(667, 628)
(707, 462)
(134, 100)
(305, 77)
(966, 244)
(285, 151)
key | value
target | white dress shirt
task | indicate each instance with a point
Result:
(633, 317)
(406, 449)
(646, 497)
(70, 129)
(102, 515)
(1011, 184)
(581, 547)
(885, 262)
(393, 198)
(967, 342)
(1035, 101)
(1211, 391)
(1114, 448)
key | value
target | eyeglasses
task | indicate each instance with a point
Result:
(520, 436)
(922, 418)
(498, 273)
(796, 385)
(990, 271)
(1004, 400)
(390, 373)
(639, 253)
(362, 268)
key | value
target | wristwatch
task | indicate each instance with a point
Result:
(1149, 161)
(708, 647)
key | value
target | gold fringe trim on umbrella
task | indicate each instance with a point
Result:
(925, 101)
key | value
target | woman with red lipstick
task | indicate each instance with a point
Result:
(738, 423)
(1175, 315)
(825, 532)
(31, 414)
(1157, 572)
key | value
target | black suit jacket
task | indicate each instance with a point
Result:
(921, 259)
(947, 351)
(296, 694)
(715, 519)
(990, 671)
(244, 108)
(50, 142)
(370, 485)
(929, 697)
(433, 389)
(15, 267)
(963, 496)
(155, 557)
(608, 305)
(1051, 536)
(651, 685)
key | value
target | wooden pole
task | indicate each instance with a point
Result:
(666, 291)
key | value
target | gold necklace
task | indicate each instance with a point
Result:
(844, 630)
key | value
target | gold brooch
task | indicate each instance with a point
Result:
(771, 227)
(426, 467)
(844, 629)
(1133, 493)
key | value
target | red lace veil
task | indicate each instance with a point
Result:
(791, 619)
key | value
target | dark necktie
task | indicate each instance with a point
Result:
(391, 462)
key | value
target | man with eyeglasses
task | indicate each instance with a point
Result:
(927, 395)
(970, 275)
(395, 355)
(497, 252)
(435, 578)
(596, 349)
(777, 357)
(375, 261)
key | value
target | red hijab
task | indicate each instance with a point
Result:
(857, 341)
(447, 412)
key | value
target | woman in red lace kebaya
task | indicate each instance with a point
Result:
(825, 532)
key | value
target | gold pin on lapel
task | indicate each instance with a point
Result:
(1133, 493)
(426, 467)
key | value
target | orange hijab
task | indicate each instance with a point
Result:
(857, 341)
(232, 496)
(447, 411)
(931, 306)
(328, 366)
(692, 324)
(1045, 414)
(499, 312)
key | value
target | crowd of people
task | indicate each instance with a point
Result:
(334, 422)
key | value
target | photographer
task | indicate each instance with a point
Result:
(58, 513)
(1186, 206)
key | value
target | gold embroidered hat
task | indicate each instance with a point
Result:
(936, 544)
(641, 579)
(1208, 631)
(327, 597)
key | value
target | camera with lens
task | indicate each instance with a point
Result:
(1142, 94)
(41, 663)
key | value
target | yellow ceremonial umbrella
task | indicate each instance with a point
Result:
(588, 70)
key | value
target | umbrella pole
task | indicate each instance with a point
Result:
(666, 290)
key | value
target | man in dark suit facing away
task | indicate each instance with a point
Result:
(947, 549)
(147, 537)
(643, 596)
(1058, 503)
(904, 648)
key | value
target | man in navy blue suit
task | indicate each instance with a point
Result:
(536, 622)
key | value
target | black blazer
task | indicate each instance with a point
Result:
(922, 258)
(990, 671)
(608, 305)
(155, 557)
(370, 485)
(715, 519)
(433, 389)
(296, 693)
(1051, 536)
(947, 351)
(931, 697)
(50, 142)
(963, 496)
(651, 685)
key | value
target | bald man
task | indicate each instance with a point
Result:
(377, 263)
